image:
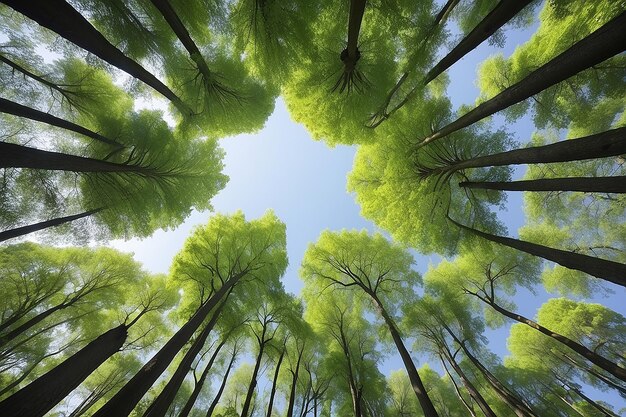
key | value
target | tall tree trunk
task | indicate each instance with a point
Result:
(123, 402)
(24, 230)
(519, 408)
(18, 156)
(601, 45)
(29, 74)
(162, 403)
(574, 184)
(595, 373)
(601, 268)
(601, 145)
(60, 17)
(382, 114)
(600, 361)
(270, 403)
(30, 323)
(172, 19)
(294, 381)
(41, 395)
(16, 109)
(253, 381)
(216, 400)
(473, 392)
(504, 11)
(468, 406)
(200, 382)
(600, 408)
(357, 9)
(416, 382)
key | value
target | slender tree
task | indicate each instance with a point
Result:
(601, 45)
(55, 16)
(601, 268)
(228, 261)
(600, 145)
(486, 294)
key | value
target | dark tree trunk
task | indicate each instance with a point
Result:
(270, 403)
(62, 18)
(591, 356)
(468, 406)
(504, 11)
(162, 403)
(220, 391)
(601, 45)
(41, 395)
(24, 230)
(600, 408)
(18, 156)
(200, 382)
(519, 408)
(29, 74)
(601, 268)
(253, 381)
(294, 381)
(382, 114)
(416, 382)
(471, 389)
(16, 109)
(574, 184)
(172, 19)
(357, 9)
(30, 323)
(601, 145)
(123, 402)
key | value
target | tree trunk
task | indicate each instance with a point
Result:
(246, 405)
(504, 11)
(162, 403)
(599, 46)
(601, 268)
(172, 19)
(294, 380)
(607, 413)
(123, 402)
(601, 145)
(588, 354)
(473, 392)
(574, 184)
(519, 408)
(18, 156)
(24, 230)
(16, 109)
(270, 403)
(357, 9)
(62, 18)
(469, 407)
(216, 400)
(41, 395)
(200, 383)
(30, 323)
(416, 382)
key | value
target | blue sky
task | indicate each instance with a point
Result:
(304, 182)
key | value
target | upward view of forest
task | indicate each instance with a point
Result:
(114, 115)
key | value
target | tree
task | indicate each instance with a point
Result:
(84, 35)
(379, 269)
(132, 185)
(113, 273)
(224, 252)
(596, 48)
